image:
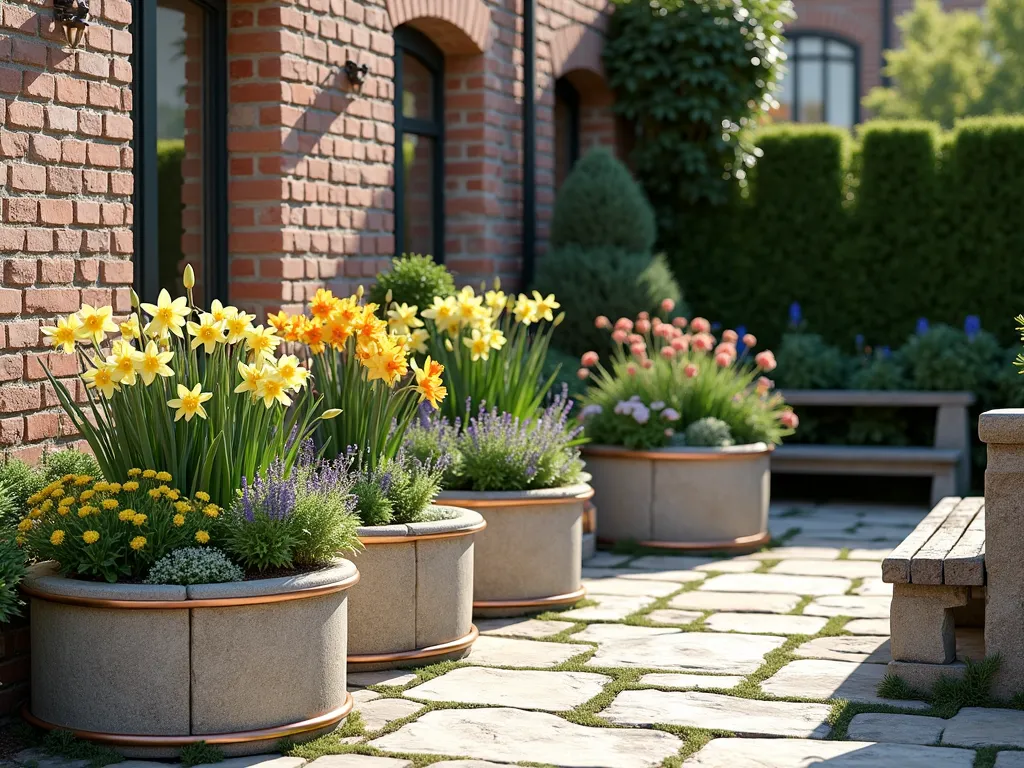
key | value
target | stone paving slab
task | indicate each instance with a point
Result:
(848, 569)
(773, 583)
(383, 677)
(748, 717)
(822, 679)
(677, 575)
(1010, 760)
(738, 602)
(519, 627)
(515, 735)
(250, 761)
(380, 712)
(363, 695)
(873, 588)
(673, 616)
(671, 649)
(896, 729)
(630, 587)
(765, 623)
(863, 649)
(675, 680)
(547, 691)
(608, 608)
(606, 560)
(854, 606)
(466, 764)
(800, 753)
(799, 553)
(691, 563)
(512, 652)
(358, 761)
(869, 553)
(867, 627)
(979, 727)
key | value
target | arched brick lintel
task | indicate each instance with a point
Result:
(577, 47)
(457, 27)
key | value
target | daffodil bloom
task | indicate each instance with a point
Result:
(261, 342)
(402, 319)
(525, 310)
(64, 334)
(495, 301)
(101, 377)
(338, 330)
(495, 339)
(251, 375)
(470, 307)
(479, 348)
(272, 388)
(208, 333)
(543, 306)
(368, 327)
(220, 312)
(168, 316)
(290, 371)
(387, 362)
(97, 322)
(152, 363)
(237, 325)
(122, 361)
(323, 304)
(130, 328)
(443, 313)
(189, 402)
(418, 341)
(312, 335)
(428, 381)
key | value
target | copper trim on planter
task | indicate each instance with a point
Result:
(442, 649)
(538, 602)
(370, 540)
(263, 734)
(626, 453)
(529, 501)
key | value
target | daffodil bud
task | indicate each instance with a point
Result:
(359, 292)
(135, 298)
(189, 277)
(497, 283)
(448, 345)
(559, 320)
(331, 413)
(388, 297)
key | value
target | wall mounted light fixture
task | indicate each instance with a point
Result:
(73, 18)
(356, 73)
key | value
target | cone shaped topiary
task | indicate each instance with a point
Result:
(601, 205)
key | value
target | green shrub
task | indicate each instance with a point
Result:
(708, 432)
(12, 571)
(170, 154)
(10, 509)
(20, 479)
(68, 461)
(601, 205)
(806, 361)
(414, 280)
(945, 358)
(881, 370)
(194, 565)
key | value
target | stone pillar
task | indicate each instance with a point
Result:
(1003, 431)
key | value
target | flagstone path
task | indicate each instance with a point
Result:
(769, 660)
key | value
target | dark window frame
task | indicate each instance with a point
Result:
(566, 93)
(417, 44)
(823, 58)
(215, 155)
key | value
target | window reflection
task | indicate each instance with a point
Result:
(821, 82)
(418, 155)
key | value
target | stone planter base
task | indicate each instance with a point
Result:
(682, 498)
(148, 669)
(529, 559)
(414, 601)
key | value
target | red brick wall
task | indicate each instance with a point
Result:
(65, 184)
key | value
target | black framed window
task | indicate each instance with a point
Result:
(180, 112)
(419, 144)
(822, 84)
(567, 129)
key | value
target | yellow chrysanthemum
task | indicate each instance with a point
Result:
(35, 513)
(174, 494)
(87, 494)
(211, 510)
(25, 525)
(57, 538)
(179, 520)
(109, 504)
(47, 505)
(182, 506)
(91, 537)
(139, 519)
(130, 486)
(114, 487)
(202, 537)
(155, 493)
(64, 334)
(134, 472)
(83, 479)
(86, 510)
(202, 496)
(138, 543)
(149, 474)
(164, 477)
(126, 515)
(66, 501)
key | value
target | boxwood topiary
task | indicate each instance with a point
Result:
(413, 279)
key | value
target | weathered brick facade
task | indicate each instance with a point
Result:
(310, 199)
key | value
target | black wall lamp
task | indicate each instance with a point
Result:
(356, 73)
(73, 17)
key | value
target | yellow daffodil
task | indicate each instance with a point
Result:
(152, 363)
(207, 333)
(123, 362)
(322, 305)
(130, 328)
(237, 325)
(251, 375)
(261, 342)
(495, 339)
(418, 341)
(168, 316)
(428, 381)
(292, 374)
(470, 307)
(479, 348)
(543, 306)
(495, 301)
(444, 314)
(189, 402)
(312, 335)
(402, 319)
(386, 361)
(272, 387)
(64, 334)
(101, 377)
(525, 310)
(222, 313)
(97, 322)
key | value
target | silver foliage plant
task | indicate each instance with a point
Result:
(194, 565)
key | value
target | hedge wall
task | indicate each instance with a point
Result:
(867, 236)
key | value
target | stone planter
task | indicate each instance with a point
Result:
(414, 601)
(149, 669)
(682, 498)
(529, 558)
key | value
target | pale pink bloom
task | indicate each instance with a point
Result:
(728, 348)
(669, 432)
(690, 371)
(765, 361)
(667, 305)
(644, 316)
(730, 336)
(624, 323)
(589, 359)
(619, 336)
(670, 414)
(679, 322)
(582, 373)
(639, 349)
(700, 325)
(664, 331)
(668, 352)
(723, 359)
(703, 342)
(647, 363)
(635, 338)
(749, 340)
(764, 384)
(643, 325)
(655, 321)
(631, 369)
(789, 419)
(680, 345)
(602, 322)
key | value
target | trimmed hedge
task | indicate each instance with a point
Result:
(866, 237)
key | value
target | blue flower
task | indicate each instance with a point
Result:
(795, 315)
(858, 342)
(741, 331)
(922, 326)
(972, 326)
(886, 352)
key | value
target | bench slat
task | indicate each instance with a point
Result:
(896, 567)
(926, 563)
(965, 564)
(876, 398)
(863, 460)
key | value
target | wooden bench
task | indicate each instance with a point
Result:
(938, 577)
(947, 461)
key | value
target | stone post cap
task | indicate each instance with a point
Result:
(1004, 425)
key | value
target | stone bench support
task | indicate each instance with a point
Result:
(921, 622)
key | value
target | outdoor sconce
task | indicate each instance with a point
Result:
(73, 17)
(356, 73)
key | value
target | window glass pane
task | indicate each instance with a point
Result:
(784, 93)
(179, 95)
(418, 193)
(812, 107)
(566, 130)
(841, 96)
(810, 46)
(417, 88)
(837, 50)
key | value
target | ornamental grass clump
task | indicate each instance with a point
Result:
(203, 394)
(109, 531)
(665, 376)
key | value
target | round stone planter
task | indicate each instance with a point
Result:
(148, 669)
(414, 601)
(682, 498)
(529, 558)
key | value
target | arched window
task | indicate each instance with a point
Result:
(419, 144)
(567, 129)
(822, 82)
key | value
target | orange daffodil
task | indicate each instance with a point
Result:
(428, 381)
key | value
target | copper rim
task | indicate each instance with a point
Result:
(531, 501)
(211, 602)
(625, 453)
(263, 734)
(475, 528)
(538, 602)
(743, 542)
(418, 653)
